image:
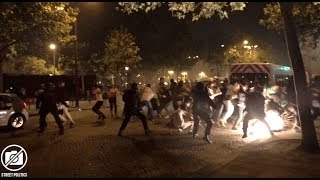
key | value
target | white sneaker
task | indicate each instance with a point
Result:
(180, 130)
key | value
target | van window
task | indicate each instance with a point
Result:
(261, 78)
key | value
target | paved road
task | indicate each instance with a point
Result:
(91, 150)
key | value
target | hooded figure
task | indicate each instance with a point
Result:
(201, 109)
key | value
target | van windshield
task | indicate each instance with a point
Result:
(261, 78)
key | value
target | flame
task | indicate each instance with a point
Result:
(258, 130)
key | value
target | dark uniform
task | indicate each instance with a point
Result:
(131, 107)
(254, 109)
(48, 105)
(61, 94)
(201, 108)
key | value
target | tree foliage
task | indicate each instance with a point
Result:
(29, 65)
(98, 65)
(306, 16)
(31, 26)
(121, 50)
(250, 53)
(181, 9)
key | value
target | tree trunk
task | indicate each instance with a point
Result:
(1, 77)
(309, 136)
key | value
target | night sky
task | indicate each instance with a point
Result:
(96, 20)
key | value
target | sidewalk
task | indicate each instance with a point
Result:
(274, 158)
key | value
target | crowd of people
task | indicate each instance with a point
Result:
(213, 102)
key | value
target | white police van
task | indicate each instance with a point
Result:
(266, 74)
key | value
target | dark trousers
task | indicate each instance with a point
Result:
(204, 115)
(249, 116)
(133, 111)
(164, 103)
(96, 108)
(43, 114)
(38, 103)
(113, 103)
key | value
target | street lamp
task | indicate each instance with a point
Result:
(127, 74)
(245, 42)
(202, 74)
(184, 75)
(53, 48)
(222, 45)
(171, 72)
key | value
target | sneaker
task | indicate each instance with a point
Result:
(223, 124)
(244, 135)
(195, 135)
(206, 138)
(41, 131)
(61, 132)
(234, 128)
(147, 132)
(72, 125)
(180, 130)
(102, 117)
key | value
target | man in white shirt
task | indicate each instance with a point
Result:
(231, 95)
(146, 95)
(98, 97)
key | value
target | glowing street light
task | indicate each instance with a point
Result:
(222, 45)
(255, 46)
(126, 68)
(245, 42)
(53, 48)
(202, 74)
(171, 72)
(189, 57)
(184, 73)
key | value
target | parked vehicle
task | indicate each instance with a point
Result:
(13, 112)
(262, 73)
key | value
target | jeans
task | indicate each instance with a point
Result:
(241, 115)
(113, 103)
(230, 109)
(133, 111)
(43, 114)
(204, 115)
(149, 106)
(65, 115)
(96, 108)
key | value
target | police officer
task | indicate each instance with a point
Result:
(201, 108)
(131, 107)
(48, 105)
(255, 102)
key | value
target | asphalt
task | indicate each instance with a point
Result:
(279, 157)
(92, 151)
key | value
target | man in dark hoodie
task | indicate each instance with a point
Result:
(48, 105)
(201, 108)
(255, 102)
(131, 107)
